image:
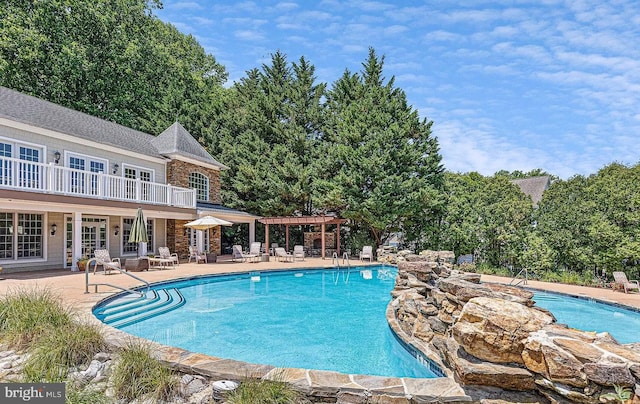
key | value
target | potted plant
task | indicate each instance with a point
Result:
(82, 263)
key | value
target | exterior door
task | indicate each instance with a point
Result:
(93, 235)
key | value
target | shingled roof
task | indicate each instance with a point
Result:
(175, 141)
(533, 186)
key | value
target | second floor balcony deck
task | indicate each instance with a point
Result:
(22, 175)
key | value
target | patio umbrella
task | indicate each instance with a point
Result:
(138, 233)
(207, 222)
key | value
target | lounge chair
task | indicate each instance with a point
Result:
(103, 258)
(366, 253)
(282, 255)
(256, 249)
(238, 254)
(298, 252)
(166, 254)
(621, 282)
(197, 255)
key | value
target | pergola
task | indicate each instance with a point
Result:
(302, 220)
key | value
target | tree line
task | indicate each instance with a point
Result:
(355, 147)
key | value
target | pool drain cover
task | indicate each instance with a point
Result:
(222, 386)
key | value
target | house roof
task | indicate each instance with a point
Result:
(215, 208)
(533, 186)
(175, 141)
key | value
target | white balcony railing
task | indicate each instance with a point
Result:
(24, 175)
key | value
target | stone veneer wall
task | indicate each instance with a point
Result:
(179, 243)
(497, 344)
(178, 175)
(329, 238)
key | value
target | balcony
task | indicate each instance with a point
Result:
(49, 178)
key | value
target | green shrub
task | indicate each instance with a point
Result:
(467, 267)
(253, 391)
(571, 278)
(27, 314)
(59, 349)
(138, 374)
(75, 395)
(548, 276)
(487, 269)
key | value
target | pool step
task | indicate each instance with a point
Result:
(127, 302)
(126, 311)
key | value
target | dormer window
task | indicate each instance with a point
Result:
(200, 183)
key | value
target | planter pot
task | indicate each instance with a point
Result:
(212, 257)
(82, 265)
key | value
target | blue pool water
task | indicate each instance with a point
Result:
(589, 315)
(317, 319)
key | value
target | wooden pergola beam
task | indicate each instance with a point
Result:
(302, 220)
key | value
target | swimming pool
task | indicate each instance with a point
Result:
(589, 315)
(313, 318)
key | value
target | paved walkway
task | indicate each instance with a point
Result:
(605, 294)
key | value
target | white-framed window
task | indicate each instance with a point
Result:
(21, 236)
(131, 248)
(81, 182)
(131, 172)
(200, 183)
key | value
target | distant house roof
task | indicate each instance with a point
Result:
(175, 141)
(533, 186)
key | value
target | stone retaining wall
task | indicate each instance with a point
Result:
(495, 342)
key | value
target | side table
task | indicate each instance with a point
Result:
(136, 264)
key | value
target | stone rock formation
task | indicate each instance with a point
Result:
(489, 336)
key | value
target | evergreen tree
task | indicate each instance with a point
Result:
(382, 163)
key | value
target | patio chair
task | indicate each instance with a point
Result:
(255, 249)
(621, 282)
(366, 253)
(282, 255)
(197, 255)
(298, 252)
(166, 254)
(238, 254)
(272, 250)
(102, 257)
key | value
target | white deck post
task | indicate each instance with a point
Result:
(77, 241)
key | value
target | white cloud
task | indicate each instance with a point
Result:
(186, 5)
(249, 35)
(395, 30)
(286, 6)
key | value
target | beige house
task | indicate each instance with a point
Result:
(71, 183)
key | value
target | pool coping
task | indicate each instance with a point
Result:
(317, 383)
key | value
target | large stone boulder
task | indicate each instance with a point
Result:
(495, 329)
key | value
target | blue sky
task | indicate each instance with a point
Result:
(512, 85)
